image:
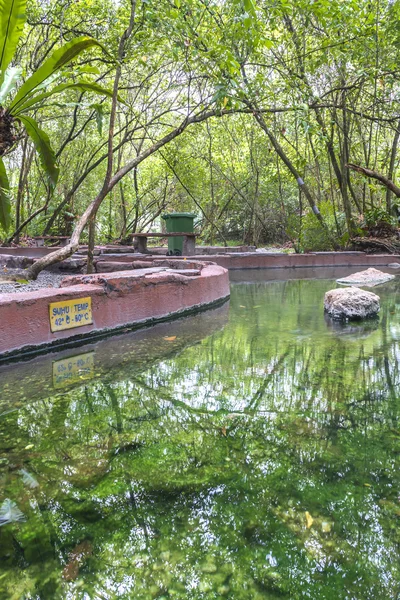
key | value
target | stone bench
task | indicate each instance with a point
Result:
(189, 241)
(63, 240)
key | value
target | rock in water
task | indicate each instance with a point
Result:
(351, 303)
(367, 278)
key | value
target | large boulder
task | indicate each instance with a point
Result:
(351, 303)
(367, 278)
(15, 262)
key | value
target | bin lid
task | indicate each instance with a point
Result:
(178, 214)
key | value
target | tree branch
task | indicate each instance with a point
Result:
(374, 175)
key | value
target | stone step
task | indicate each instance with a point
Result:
(112, 267)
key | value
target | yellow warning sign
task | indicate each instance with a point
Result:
(70, 313)
(73, 370)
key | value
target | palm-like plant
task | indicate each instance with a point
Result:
(15, 112)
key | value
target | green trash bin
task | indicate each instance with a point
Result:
(176, 223)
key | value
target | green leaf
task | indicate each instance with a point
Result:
(50, 80)
(86, 86)
(87, 69)
(43, 148)
(247, 21)
(11, 77)
(12, 21)
(56, 61)
(250, 7)
(5, 204)
(99, 109)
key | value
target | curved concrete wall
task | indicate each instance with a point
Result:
(118, 300)
(139, 296)
(124, 353)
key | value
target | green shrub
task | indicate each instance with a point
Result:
(378, 214)
(307, 233)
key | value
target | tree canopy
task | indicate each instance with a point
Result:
(249, 113)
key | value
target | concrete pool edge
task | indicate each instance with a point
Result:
(260, 260)
(135, 298)
(122, 300)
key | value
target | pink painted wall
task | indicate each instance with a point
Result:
(259, 260)
(119, 299)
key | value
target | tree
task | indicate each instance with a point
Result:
(31, 95)
(320, 86)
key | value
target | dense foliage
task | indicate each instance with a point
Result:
(259, 107)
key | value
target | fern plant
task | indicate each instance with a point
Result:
(10, 513)
(16, 108)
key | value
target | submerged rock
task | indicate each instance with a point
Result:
(352, 330)
(351, 303)
(368, 278)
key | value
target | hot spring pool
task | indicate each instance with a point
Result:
(250, 452)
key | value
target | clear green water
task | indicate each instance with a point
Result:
(254, 456)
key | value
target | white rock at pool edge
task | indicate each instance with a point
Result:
(351, 303)
(368, 278)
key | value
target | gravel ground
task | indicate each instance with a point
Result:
(44, 280)
(274, 250)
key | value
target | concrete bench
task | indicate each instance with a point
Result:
(61, 239)
(189, 241)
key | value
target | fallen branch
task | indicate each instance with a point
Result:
(374, 175)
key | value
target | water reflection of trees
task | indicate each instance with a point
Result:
(195, 475)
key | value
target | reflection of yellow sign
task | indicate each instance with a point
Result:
(73, 370)
(70, 313)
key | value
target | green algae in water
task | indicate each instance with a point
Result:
(255, 461)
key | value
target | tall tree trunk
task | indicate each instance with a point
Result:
(392, 163)
(21, 185)
(210, 163)
(23, 178)
(122, 235)
(340, 172)
(345, 174)
(137, 204)
(91, 243)
(26, 222)
(292, 169)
